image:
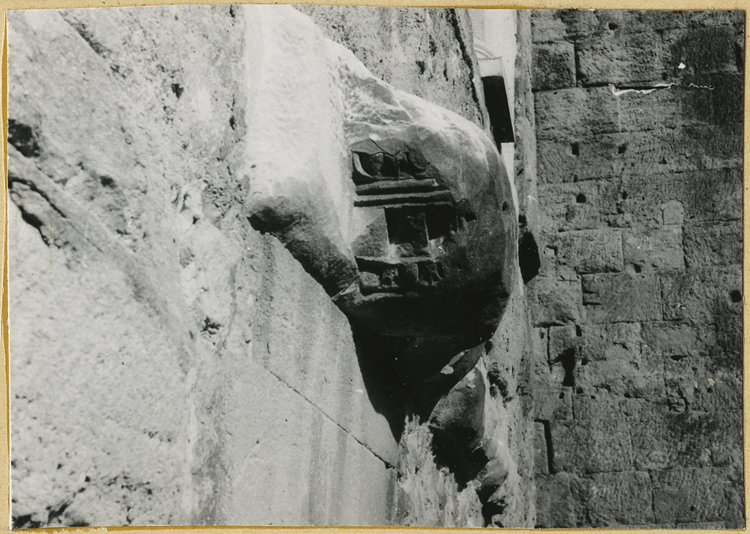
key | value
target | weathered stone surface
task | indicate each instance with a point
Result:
(605, 156)
(554, 66)
(192, 369)
(713, 245)
(623, 57)
(646, 250)
(570, 206)
(572, 24)
(681, 440)
(596, 446)
(597, 342)
(590, 251)
(557, 499)
(555, 301)
(647, 142)
(676, 340)
(548, 25)
(580, 112)
(460, 247)
(651, 58)
(696, 495)
(704, 196)
(620, 499)
(437, 42)
(701, 295)
(428, 494)
(621, 297)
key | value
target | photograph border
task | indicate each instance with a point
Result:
(5, 5)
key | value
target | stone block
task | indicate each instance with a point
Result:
(702, 295)
(670, 440)
(622, 58)
(701, 50)
(677, 340)
(718, 391)
(571, 24)
(569, 206)
(617, 341)
(621, 297)
(647, 58)
(554, 301)
(579, 112)
(591, 446)
(590, 251)
(553, 66)
(726, 95)
(712, 195)
(619, 499)
(607, 405)
(552, 400)
(713, 244)
(686, 148)
(558, 498)
(696, 495)
(619, 377)
(728, 354)
(672, 213)
(650, 249)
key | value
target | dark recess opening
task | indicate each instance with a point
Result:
(528, 256)
(580, 198)
(568, 361)
(498, 108)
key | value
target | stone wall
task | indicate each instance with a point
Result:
(637, 309)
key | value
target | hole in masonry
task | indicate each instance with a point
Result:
(506, 206)
(622, 148)
(177, 89)
(736, 296)
(576, 149)
(580, 198)
(612, 26)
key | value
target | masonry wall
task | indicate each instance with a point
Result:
(637, 309)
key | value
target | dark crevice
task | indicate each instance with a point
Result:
(529, 260)
(548, 443)
(25, 521)
(95, 45)
(23, 138)
(465, 54)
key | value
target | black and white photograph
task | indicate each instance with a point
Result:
(309, 265)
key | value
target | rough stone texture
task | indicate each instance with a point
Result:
(173, 362)
(637, 384)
